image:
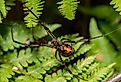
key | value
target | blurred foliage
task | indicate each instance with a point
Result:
(102, 46)
(91, 62)
(101, 12)
(110, 46)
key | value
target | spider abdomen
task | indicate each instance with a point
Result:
(67, 50)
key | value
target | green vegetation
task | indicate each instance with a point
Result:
(92, 61)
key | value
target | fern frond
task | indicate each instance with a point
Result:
(68, 8)
(86, 70)
(2, 9)
(102, 73)
(44, 62)
(117, 5)
(57, 77)
(6, 72)
(27, 79)
(4, 6)
(19, 62)
(36, 7)
(41, 64)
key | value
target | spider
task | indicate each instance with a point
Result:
(62, 47)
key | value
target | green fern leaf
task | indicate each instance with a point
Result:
(68, 8)
(6, 72)
(117, 5)
(2, 9)
(47, 62)
(86, 70)
(27, 79)
(56, 77)
(4, 6)
(36, 6)
(102, 73)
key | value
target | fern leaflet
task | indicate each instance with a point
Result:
(2, 9)
(68, 8)
(117, 5)
(36, 6)
(5, 72)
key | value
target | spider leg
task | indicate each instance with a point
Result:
(58, 58)
(37, 45)
(81, 40)
(56, 55)
(67, 40)
(44, 26)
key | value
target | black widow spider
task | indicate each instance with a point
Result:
(63, 47)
